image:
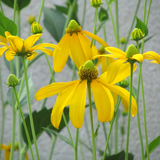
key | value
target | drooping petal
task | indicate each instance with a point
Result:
(30, 41)
(9, 55)
(77, 105)
(34, 54)
(7, 154)
(39, 46)
(4, 147)
(26, 156)
(2, 50)
(62, 101)
(60, 56)
(52, 89)
(47, 51)
(95, 37)
(103, 100)
(152, 55)
(138, 57)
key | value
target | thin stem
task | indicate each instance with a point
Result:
(29, 107)
(110, 129)
(117, 23)
(84, 13)
(129, 110)
(91, 120)
(1, 7)
(52, 147)
(148, 11)
(40, 11)
(76, 145)
(73, 71)
(24, 123)
(116, 134)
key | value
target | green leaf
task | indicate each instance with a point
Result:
(96, 132)
(153, 145)
(21, 3)
(103, 15)
(54, 22)
(62, 9)
(23, 97)
(65, 139)
(7, 25)
(142, 26)
(42, 120)
(110, 1)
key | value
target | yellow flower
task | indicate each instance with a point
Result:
(74, 94)
(155, 57)
(75, 43)
(7, 150)
(20, 47)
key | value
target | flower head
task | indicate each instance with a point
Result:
(36, 28)
(75, 43)
(96, 3)
(137, 34)
(74, 94)
(12, 80)
(20, 47)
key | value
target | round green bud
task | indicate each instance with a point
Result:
(131, 50)
(123, 40)
(124, 113)
(89, 64)
(36, 28)
(124, 83)
(31, 19)
(137, 34)
(73, 27)
(12, 80)
(96, 3)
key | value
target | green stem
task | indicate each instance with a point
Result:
(116, 134)
(40, 11)
(110, 129)
(129, 111)
(24, 123)
(91, 120)
(122, 134)
(117, 23)
(84, 13)
(52, 147)
(148, 11)
(76, 145)
(29, 107)
(73, 71)
(1, 7)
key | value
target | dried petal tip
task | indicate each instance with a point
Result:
(96, 3)
(31, 19)
(73, 27)
(36, 28)
(131, 50)
(12, 81)
(137, 34)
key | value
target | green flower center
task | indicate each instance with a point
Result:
(88, 71)
(73, 27)
(131, 50)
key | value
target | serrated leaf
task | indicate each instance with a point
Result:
(153, 145)
(21, 3)
(42, 120)
(142, 26)
(7, 25)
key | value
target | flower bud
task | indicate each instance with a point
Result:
(123, 40)
(124, 113)
(131, 50)
(12, 81)
(31, 19)
(137, 34)
(96, 3)
(73, 27)
(124, 83)
(36, 28)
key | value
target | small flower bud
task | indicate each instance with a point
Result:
(12, 81)
(31, 19)
(123, 40)
(73, 27)
(36, 28)
(124, 113)
(131, 50)
(124, 83)
(137, 34)
(101, 50)
(96, 3)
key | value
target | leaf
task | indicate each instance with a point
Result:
(142, 26)
(42, 120)
(23, 97)
(62, 9)
(7, 25)
(103, 15)
(21, 3)
(153, 145)
(54, 22)
(96, 132)
(60, 136)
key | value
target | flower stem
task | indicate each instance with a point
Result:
(91, 120)
(40, 11)
(129, 111)
(29, 107)
(76, 145)
(24, 123)
(117, 23)
(52, 147)
(84, 13)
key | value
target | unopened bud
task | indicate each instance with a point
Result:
(96, 3)
(131, 50)
(124, 83)
(31, 19)
(137, 34)
(12, 80)
(123, 40)
(36, 28)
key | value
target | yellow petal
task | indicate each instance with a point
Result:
(42, 45)
(2, 50)
(7, 155)
(152, 55)
(62, 101)
(9, 55)
(3, 39)
(26, 156)
(138, 57)
(34, 54)
(30, 41)
(47, 51)
(4, 147)
(60, 56)
(52, 89)
(95, 37)
(77, 105)
(103, 100)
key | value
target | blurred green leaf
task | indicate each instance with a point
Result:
(42, 120)
(142, 26)
(103, 15)
(96, 132)
(7, 25)
(153, 145)
(110, 1)
(21, 3)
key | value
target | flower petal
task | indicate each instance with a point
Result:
(2, 50)
(30, 41)
(103, 101)
(7, 154)
(95, 37)
(3, 39)
(9, 55)
(47, 51)
(42, 45)
(62, 101)
(77, 105)
(60, 56)
(152, 55)
(138, 57)
(34, 54)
